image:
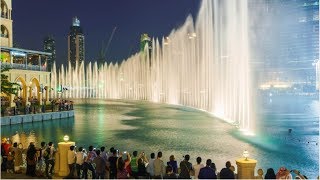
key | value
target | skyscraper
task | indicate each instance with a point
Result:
(50, 47)
(76, 51)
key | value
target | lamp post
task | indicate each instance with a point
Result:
(246, 166)
(63, 158)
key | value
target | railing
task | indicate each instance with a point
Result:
(26, 67)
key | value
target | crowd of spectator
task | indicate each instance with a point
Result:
(100, 164)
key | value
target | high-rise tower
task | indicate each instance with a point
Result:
(76, 50)
(6, 23)
(50, 47)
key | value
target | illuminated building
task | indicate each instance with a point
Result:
(28, 68)
(50, 47)
(76, 49)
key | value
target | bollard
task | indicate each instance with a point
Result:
(63, 158)
(246, 168)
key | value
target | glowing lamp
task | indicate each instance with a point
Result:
(245, 154)
(66, 138)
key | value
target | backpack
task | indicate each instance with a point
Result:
(46, 154)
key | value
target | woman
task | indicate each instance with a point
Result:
(142, 171)
(31, 160)
(173, 164)
(122, 173)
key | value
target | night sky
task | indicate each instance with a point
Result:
(33, 20)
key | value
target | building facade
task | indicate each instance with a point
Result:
(28, 68)
(50, 47)
(76, 45)
(6, 24)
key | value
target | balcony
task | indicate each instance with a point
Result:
(25, 67)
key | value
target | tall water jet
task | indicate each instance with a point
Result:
(204, 65)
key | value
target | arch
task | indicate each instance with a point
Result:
(23, 87)
(4, 9)
(4, 31)
(34, 88)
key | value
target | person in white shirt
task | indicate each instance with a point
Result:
(197, 167)
(150, 166)
(71, 160)
(80, 157)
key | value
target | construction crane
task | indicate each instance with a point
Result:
(105, 46)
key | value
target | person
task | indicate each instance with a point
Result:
(49, 159)
(283, 173)
(113, 164)
(150, 166)
(169, 173)
(260, 174)
(299, 175)
(101, 165)
(121, 171)
(173, 164)
(71, 161)
(207, 172)
(41, 160)
(80, 157)
(18, 162)
(227, 173)
(10, 164)
(127, 162)
(134, 164)
(87, 165)
(104, 154)
(270, 174)
(31, 160)
(233, 169)
(159, 168)
(142, 172)
(197, 167)
(185, 167)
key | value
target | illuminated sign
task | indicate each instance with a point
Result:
(17, 53)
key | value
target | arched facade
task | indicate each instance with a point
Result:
(33, 86)
(6, 24)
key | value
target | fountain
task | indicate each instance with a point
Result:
(204, 65)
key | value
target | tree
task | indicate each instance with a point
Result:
(7, 87)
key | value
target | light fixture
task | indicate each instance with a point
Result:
(66, 138)
(246, 154)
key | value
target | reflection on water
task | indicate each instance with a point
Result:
(149, 127)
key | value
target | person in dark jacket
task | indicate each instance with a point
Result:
(185, 167)
(270, 174)
(227, 173)
(207, 172)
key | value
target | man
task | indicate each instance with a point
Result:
(197, 167)
(185, 167)
(227, 173)
(150, 166)
(71, 161)
(88, 163)
(207, 172)
(49, 158)
(81, 156)
(134, 164)
(159, 168)
(101, 166)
